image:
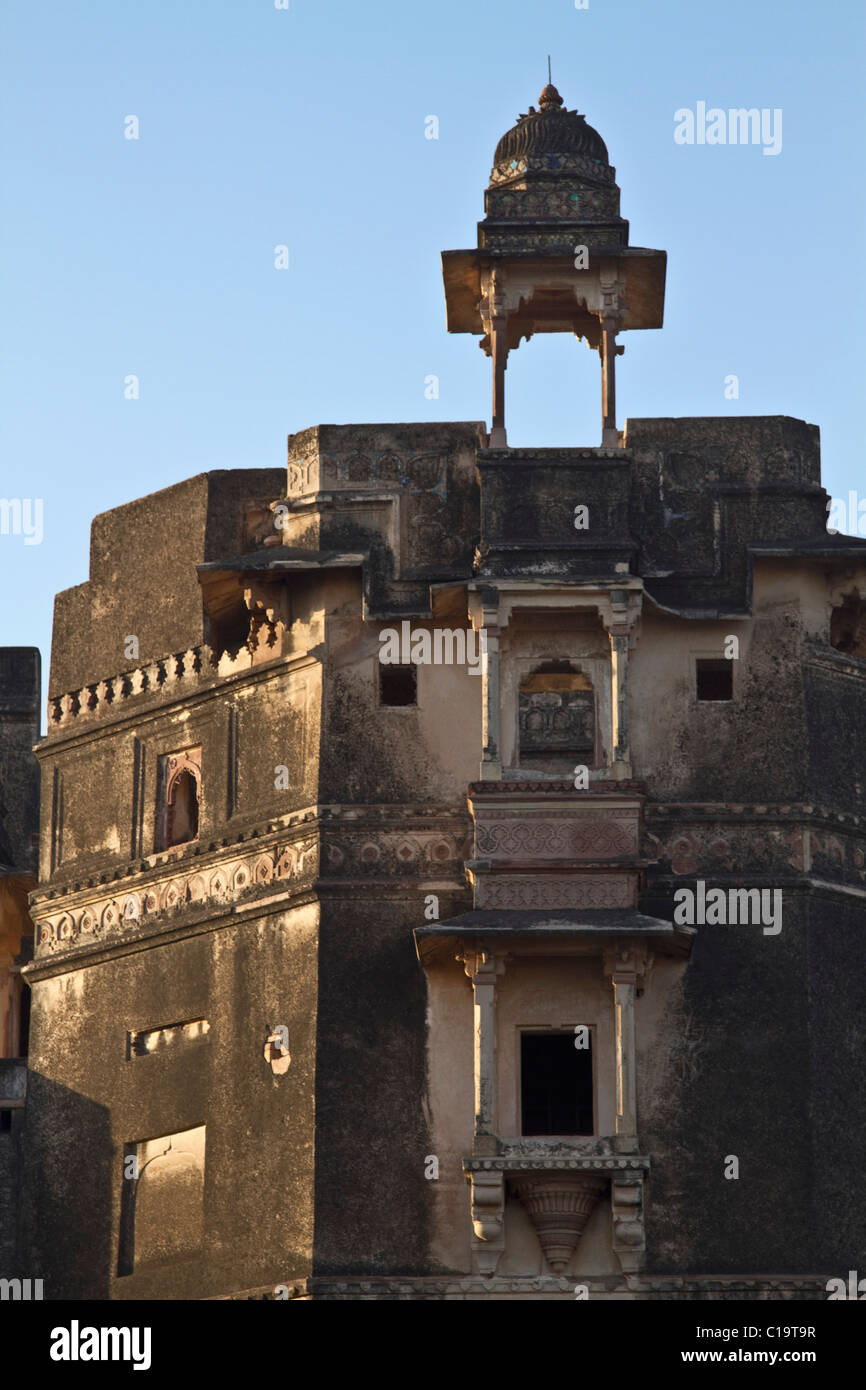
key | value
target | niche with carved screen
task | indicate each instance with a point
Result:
(556, 713)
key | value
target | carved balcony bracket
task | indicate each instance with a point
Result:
(627, 1221)
(487, 1200)
(559, 1207)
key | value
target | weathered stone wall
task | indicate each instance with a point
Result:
(88, 1099)
(100, 814)
(10, 1181)
(758, 1060)
(139, 554)
(20, 681)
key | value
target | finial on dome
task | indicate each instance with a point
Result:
(549, 99)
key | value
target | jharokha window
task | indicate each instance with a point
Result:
(557, 715)
(179, 798)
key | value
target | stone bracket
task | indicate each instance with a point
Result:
(487, 1202)
(627, 1220)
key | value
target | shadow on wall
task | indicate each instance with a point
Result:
(66, 1192)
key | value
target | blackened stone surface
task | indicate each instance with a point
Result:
(704, 489)
(20, 684)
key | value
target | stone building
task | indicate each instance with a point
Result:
(365, 964)
(19, 816)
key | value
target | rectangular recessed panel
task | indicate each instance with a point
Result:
(162, 1200)
(169, 1035)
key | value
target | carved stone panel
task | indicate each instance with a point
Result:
(557, 721)
(603, 833)
(565, 891)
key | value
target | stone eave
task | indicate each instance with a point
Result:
(281, 559)
(532, 931)
(831, 548)
(644, 268)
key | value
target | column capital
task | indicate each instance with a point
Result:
(481, 965)
(630, 963)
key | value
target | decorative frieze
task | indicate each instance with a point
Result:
(219, 885)
(540, 891)
(576, 833)
(689, 840)
(377, 852)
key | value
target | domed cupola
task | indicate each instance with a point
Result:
(551, 178)
(553, 254)
(549, 142)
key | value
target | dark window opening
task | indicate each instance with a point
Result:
(398, 685)
(555, 1084)
(715, 679)
(230, 633)
(5, 1121)
(181, 821)
(848, 627)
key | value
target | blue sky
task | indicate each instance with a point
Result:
(261, 127)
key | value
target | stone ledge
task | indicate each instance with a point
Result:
(538, 1287)
(504, 1163)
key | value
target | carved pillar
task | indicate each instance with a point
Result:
(610, 315)
(620, 632)
(491, 758)
(491, 755)
(627, 966)
(497, 324)
(609, 433)
(498, 437)
(624, 985)
(487, 1185)
(619, 703)
(482, 969)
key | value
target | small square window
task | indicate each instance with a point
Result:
(555, 1084)
(714, 679)
(398, 685)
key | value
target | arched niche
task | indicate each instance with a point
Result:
(181, 799)
(556, 716)
(165, 1216)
